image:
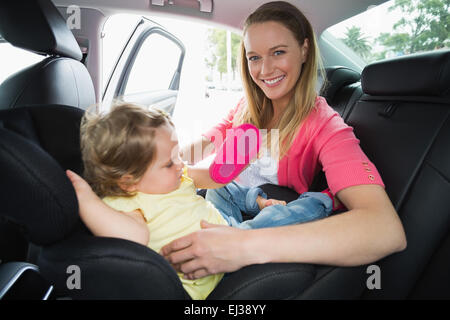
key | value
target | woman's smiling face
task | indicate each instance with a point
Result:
(274, 59)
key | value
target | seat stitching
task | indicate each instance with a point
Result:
(439, 172)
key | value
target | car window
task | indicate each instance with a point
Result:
(395, 28)
(154, 66)
(13, 59)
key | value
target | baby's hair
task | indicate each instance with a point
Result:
(119, 144)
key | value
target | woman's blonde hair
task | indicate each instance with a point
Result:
(259, 110)
(117, 144)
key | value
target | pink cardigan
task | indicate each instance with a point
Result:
(324, 142)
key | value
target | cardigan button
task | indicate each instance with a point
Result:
(371, 177)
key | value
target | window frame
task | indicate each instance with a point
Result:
(123, 80)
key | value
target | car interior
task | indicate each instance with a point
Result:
(399, 108)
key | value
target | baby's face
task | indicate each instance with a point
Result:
(164, 173)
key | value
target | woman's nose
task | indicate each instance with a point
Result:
(266, 67)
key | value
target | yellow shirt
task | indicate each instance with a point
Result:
(173, 215)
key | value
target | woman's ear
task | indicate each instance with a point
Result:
(125, 183)
(305, 49)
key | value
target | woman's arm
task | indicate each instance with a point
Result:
(202, 179)
(213, 138)
(369, 231)
(197, 150)
(104, 221)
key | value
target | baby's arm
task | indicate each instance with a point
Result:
(103, 220)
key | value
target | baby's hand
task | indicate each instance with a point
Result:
(262, 203)
(85, 195)
(82, 188)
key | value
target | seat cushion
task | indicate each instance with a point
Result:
(267, 281)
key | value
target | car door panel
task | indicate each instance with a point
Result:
(148, 70)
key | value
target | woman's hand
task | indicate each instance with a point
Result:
(214, 249)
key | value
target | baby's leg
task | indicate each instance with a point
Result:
(308, 207)
(229, 200)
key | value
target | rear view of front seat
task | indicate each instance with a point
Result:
(61, 78)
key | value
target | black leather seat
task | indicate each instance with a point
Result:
(405, 114)
(60, 78)
(403, 123)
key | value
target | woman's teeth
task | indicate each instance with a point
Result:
(273, 81)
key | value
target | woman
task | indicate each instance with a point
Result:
(279, 64)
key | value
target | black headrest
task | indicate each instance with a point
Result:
(337, 77)
(55, 128)
(424, 74)
(34, 190)
(37, 25)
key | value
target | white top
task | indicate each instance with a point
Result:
(261, 171)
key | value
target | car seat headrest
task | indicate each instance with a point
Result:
(424, 74)
(34, 192)
(37, 25)
(336, 78)
(55, 128)
(36, 145)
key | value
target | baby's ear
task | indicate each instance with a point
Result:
(126, 183)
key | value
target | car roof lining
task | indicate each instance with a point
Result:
(224, 12)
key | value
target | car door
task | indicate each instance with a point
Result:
(149, 68)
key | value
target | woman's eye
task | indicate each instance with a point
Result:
(253, 58)
(278, 52)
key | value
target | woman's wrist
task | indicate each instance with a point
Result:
(255, 248)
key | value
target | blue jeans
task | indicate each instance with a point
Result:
(233, 199)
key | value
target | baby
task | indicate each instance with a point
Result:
(131, 160)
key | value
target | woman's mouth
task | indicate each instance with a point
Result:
(274, 81)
